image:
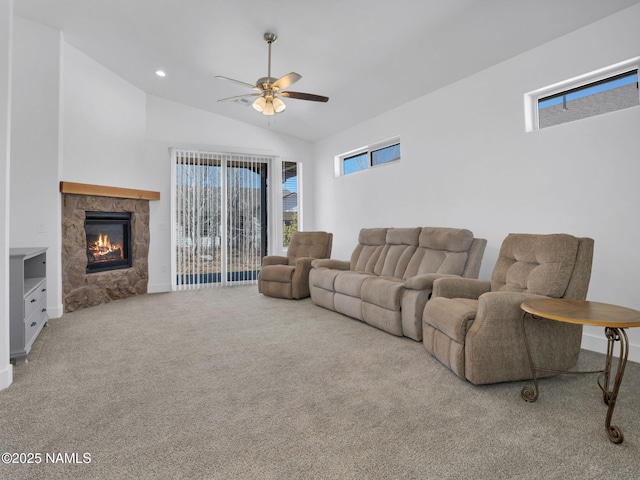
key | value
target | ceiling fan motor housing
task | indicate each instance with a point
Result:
(264, 82)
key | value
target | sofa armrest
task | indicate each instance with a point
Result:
(300, 279)
(425, 281)
(503, 305)
(458, 287)
(274, 260)
(331, 263)
(499, 316)
(304, 263)
(494, 343)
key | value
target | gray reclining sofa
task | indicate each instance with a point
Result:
(389, 278)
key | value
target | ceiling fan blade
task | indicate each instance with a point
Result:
(284, 82)
(304, 96)
(244, 84)
(239, 96)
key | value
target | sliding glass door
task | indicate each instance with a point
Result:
(220, 218)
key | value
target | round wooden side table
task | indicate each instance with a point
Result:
(613, 318)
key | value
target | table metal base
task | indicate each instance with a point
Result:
(530, 394)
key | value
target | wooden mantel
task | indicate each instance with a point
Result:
(103, 191)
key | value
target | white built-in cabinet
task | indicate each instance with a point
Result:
(27, 299)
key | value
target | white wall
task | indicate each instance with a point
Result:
(103, 126)
(467, 162)
(35, 197)
(171, 124)
(6, 24)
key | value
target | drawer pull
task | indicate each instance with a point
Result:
(33, 300)
(44, 309)
(34, 324)
(44, 289)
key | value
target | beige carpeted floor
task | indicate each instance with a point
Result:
(228, 384)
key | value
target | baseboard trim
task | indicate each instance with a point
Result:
(6, 376)
(598, 344)
(159, 288)
(55, 312)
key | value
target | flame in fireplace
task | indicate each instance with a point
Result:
(102, 250)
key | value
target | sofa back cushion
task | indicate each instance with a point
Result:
(309, 244)
(400, 245)
(440, 250)
(370, 244)
(539, 264)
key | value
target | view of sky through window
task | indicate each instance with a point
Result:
(291, 184)
(368, 157)
(589, 90)
(386, 154)
(356, 163)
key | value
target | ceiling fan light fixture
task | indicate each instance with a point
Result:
(268, 108)
(259, 104)
(278, 105)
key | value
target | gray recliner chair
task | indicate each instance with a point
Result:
(288, 277)
(474, 326)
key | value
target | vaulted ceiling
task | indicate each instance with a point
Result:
(368, 56)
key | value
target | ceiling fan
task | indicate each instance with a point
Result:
(271, 90)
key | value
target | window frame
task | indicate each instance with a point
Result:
(368, 151)
(531, 99)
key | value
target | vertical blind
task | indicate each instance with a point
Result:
(219, 218)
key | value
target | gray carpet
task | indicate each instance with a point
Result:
(228, 384)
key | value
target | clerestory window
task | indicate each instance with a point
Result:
(368, 157)
(607, 90)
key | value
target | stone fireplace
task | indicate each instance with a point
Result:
(96, 231)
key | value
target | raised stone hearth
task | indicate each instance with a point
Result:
(82, 289)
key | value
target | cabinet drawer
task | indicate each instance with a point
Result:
(35, 298)
(33, 324)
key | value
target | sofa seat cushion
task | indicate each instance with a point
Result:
(277, 273)
(451, 316)
(385, 292)
(324, 278)
(350, 283)
(424, 281)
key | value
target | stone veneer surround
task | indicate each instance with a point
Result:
(85, 290)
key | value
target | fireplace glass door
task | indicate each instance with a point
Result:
(108, 241)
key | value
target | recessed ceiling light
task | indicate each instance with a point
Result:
(161, 73)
